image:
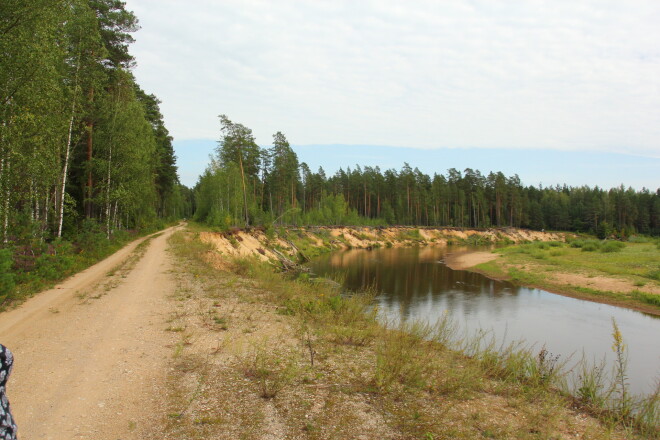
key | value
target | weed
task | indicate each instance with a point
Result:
(221, 322)
(401, 357)
(623, 401)
(271, 369)
(590, 385)
(547, 366)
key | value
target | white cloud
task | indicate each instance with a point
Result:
(557, 74)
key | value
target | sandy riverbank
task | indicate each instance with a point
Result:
(467, 259)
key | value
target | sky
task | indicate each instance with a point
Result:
(442, 83)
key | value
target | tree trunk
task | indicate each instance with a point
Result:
(5, 222)
(90, 145)
(107, 196)
(240, 161)
(65, 170)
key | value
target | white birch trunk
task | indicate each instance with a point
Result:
(107, 196)
(5, 225)
(67, 153)
(65, 171)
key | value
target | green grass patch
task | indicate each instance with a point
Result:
(648, 298)
(491, 268)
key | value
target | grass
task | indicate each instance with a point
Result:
(411, 234)
(539, 263)
(318, 364)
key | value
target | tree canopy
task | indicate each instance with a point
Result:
(288, 192)
(80, 141)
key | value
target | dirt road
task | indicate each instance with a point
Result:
(91, 354)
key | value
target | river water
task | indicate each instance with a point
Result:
(414, 283)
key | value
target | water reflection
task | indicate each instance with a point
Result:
(414, 283)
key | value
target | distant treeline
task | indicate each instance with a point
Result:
(82, 146)
(249, 185)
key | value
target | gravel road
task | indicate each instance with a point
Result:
(91, 355)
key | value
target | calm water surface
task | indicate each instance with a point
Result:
(414, 283)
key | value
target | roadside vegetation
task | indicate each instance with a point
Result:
(622, 273)
(37, 265)
(86, 162)
(266, 354)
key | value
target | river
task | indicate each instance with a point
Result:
(414, 283)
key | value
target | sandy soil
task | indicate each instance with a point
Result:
(603, 283)
(255, 243)
(465, 260)
(91, 354)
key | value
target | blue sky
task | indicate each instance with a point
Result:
(579, 76)
(546, 167)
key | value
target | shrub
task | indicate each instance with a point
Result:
(612, 246)
(640, 239)
(54, 264)
(6, 277)
(591, 246)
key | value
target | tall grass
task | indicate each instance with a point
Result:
(608, 395)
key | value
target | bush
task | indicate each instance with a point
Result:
(640, 239)
(52, 266)
(590, 246)
(92, 240)
(612, 246)
(6, 277)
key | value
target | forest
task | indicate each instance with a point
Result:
(84, 153)
(81, 143)
(248, 185)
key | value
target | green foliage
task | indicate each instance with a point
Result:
(612, 246)
(648, 298)
(28, 269)
(590, 246)
(279, 189)
(6, 275)
(604, 230)
(55, 264)
(80, 140)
